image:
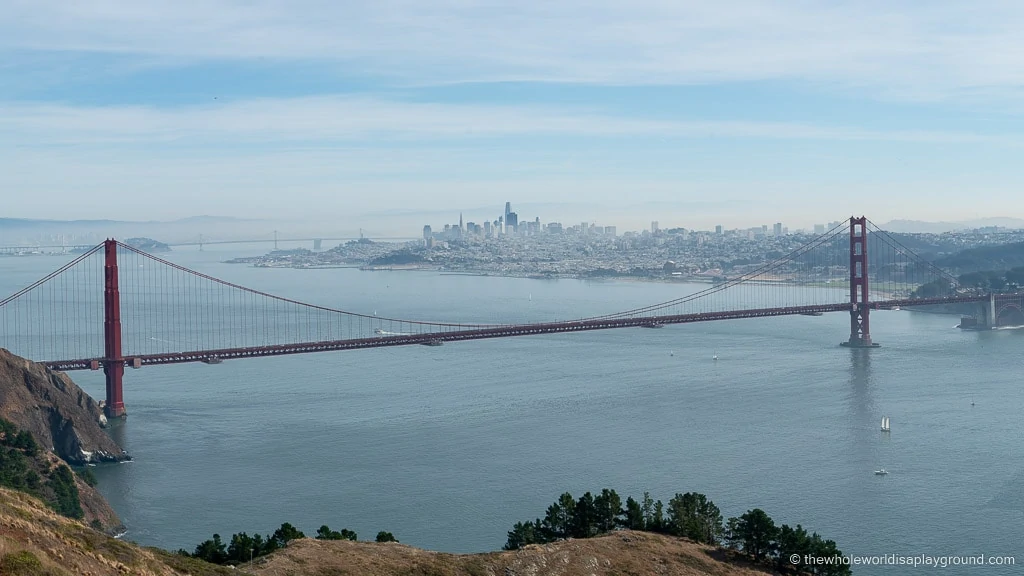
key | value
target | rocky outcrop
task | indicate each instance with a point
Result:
(59, 414)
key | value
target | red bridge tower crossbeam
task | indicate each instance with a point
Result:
(860, 326)
(113, 363)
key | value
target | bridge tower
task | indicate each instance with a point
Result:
(860, 328)
(113, 363)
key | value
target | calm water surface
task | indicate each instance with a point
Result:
(448, 447)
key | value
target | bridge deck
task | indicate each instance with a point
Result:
(495, 332)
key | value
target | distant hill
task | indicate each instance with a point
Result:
(921, 227)
(148, 245)
(29, 232)
(1001, 257)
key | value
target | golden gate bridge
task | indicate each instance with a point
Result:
(115, 306)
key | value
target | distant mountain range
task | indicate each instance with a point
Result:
(25, 231)
(30, 223)
(917, 226)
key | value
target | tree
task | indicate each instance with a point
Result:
(383, 536)
(583, 521)
(792, 542)
(658, 518)
(241, 548)
(608, 509)
(286, 533)
(758, 533)
(212, 551)
(827, 549)
(634, 519)
(733, 538)
(1015, 276)
(558, 520)
(694, 516)
(325, 533)
(647, 508)
(524, 533)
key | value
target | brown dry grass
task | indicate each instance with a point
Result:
(623, 553)
(35, 541)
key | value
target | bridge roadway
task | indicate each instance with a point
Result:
(498, 332)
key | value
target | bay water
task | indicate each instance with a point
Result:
(447, 447)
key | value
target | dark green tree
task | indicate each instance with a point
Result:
(524, 533)
(212, 551)
(62, 482)
(608, 509)
(792, 542)
(241, 548)
(634, 515)
(694, 516)
(558, 521)
(325, 533)
(263, 547)
(827, 549)
(286, 533)
(658, 519)
(758, 533)
(584, 523)
(383, 536)
(647, 507)
(733, 538)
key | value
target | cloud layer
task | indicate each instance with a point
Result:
(363, 119)
(934, 50)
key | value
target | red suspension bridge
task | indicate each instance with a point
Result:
(115, 306)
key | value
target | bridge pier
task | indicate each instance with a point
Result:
(860, 325)
(113, 363)
(991, 318)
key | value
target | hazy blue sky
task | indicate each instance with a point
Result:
(691, 113)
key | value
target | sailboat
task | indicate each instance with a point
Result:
(885, 423)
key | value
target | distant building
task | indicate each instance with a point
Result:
(654, 227)
(777, 229)
(819, 228)
(609, 230)
(718, 229)
(554, 227)
(488, 231)
(427, 234)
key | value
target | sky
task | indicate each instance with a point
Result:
(740, 112)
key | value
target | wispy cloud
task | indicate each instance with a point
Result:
(363, 119)
(931, 50)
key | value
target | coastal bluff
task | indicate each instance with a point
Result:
(59, 415)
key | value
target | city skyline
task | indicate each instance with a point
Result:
(298, 110)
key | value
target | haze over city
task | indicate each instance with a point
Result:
(381, 115)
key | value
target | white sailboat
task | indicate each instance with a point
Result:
(885, 423)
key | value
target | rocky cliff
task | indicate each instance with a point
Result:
(60, 416)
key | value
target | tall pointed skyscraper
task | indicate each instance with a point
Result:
(460, 222)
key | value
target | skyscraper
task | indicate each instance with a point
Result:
(777, 229)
